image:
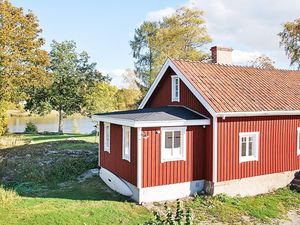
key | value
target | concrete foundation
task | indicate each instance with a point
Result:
(254, 185)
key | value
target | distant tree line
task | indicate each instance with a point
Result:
(67, 81)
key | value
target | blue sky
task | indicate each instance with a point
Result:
(104, 28)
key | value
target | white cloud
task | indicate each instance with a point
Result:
(247, 26)
(160, 14)
(116, 75)
(243, 57)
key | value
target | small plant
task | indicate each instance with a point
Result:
(180, 217)
(7, 197)
(31, 128)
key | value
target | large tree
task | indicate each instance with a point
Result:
(22, 61)
(263, 62)
(290, 39)
(181, 35)
(72, 76)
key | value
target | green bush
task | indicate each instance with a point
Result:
(180, 217)
(58, 171)
(31, 128)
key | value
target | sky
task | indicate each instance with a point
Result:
(104, 28)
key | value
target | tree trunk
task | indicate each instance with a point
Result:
(60, 121)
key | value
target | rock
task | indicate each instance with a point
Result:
(52, 152)
(88, 174)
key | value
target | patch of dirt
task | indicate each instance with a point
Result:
(293, 218)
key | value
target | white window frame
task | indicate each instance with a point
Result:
(182, 143)
(247, 158)
(173, 82)
(124, 155)
(106, 145)
(298, 141)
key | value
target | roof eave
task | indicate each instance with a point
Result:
(162, 123)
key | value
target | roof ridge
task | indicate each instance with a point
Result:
(234, 65)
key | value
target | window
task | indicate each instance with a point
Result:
(107, 137)
(249, 146)
(298, 141)
(173, 144)
(175, 89)
(126, 143)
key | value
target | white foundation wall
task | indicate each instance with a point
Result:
(254, 185)
(169, 192)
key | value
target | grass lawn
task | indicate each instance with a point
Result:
(40, 186)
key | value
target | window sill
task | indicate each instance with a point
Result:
(248, 159)
(107, 150)
(172, 160)
(126, 159)
(175, 100)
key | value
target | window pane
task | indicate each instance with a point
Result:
(176, 87)
(177, 139)
(127, 141)
(168, 139)
(244, 148)
(250, 150)
(107, 136)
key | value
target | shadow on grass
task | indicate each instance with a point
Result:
(93, 189)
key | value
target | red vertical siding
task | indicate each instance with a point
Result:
(277, 146)
(162, 97)
(156, 173)
(113, 161)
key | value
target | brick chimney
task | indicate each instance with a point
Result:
(221, 55)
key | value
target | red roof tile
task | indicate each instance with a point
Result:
(229, 88)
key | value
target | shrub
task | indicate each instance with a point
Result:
(31, 128)
(180, 217)
(7, 197)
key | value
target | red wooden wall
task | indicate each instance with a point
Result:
(162, 97)
(156, 173)
(113, 161)
(277, 146)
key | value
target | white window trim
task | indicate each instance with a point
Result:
(298, 140)
(183, 143)
(256, 147)
(126, 156)
(173, 98)
(106, 145)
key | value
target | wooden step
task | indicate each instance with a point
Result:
(295, 187)
(296, 181)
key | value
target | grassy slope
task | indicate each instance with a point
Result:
(91, 202)
(70, 202)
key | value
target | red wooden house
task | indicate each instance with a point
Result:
(214, 127)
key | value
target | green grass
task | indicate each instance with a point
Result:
(42, 189)
(90, 202)
(261, 208)
(42, 138)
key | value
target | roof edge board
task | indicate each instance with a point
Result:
(163, 123)
(258, 113)
(166, 65)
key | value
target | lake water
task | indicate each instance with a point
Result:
(74, 124)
